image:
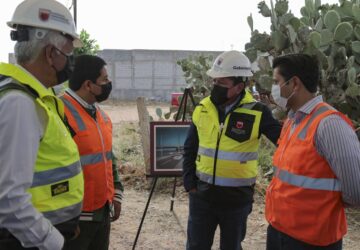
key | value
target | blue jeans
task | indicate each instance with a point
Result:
(277, 240)
(205, 216)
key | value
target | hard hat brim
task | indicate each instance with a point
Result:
(215, 74)
(77, 43)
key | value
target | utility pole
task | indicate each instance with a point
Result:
(75, 11)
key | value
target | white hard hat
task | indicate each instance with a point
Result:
(47, 14)
(230, 63)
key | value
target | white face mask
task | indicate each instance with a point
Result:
(275, 92)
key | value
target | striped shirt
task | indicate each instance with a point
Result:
(337, 142)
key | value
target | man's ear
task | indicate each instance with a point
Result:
(86, 85)
(48, 54)
(297, 82)
(240, 87)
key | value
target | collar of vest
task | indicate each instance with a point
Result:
(25, 78)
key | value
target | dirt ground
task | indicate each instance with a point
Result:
(163, 229)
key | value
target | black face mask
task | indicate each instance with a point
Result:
(64, 74)
(105, 92)
(219, 95)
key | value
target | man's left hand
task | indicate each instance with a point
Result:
(117, 211)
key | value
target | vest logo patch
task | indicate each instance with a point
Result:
(238, 131)
(60, 188)
(239, 124)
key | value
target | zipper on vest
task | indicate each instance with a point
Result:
(217, 150)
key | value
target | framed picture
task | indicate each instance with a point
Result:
(167, 147)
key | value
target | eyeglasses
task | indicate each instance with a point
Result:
(283, 84)
(63, 53)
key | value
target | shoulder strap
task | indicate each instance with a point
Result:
(8, 83)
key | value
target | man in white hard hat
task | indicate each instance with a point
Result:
(41, 181)
(220, 159)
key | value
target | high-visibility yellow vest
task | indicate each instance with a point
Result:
(227, 154)
(58, 186)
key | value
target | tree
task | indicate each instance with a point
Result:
(90, 46)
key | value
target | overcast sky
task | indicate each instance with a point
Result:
(161, 24)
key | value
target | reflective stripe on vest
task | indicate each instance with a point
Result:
(328, 184)
(230, 156)
(104, 116)
(55, 175)
(319, 111)
(226, 182)
(94, 158)
(248, 105)
(67, 212)
(80, 123)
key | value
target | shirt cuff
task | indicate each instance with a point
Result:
(54, 240)
(118, 195)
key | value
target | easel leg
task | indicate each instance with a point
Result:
(173, 196)
(145, 211)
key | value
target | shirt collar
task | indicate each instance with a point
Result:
(80, 100)
(230, 106)
(306, 108)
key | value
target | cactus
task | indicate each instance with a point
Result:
(326, 37)
(331, 20)
(356, 12)
(319, 25)
(330, 32)
(264, 9)
(281, 7)
(280, 40)
(355, 46)
(351, 75)
(343, 31)
(315, 39)
(357, 31)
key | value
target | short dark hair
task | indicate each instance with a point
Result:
(87, 67)
(301, 65)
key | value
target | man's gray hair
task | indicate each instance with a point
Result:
(28, 51)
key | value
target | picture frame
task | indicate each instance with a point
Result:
(167, 147)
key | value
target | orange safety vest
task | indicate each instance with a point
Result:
(303, 199)
(94, 140)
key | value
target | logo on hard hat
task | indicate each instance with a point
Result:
(219, 61)
(240, 68)
(44, 15)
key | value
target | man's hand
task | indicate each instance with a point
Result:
(117, 211)
(76, 233)
(193, 190)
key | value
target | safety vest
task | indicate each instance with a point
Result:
(227, 154)
(58, 186)
(303, 199)
(94, 140)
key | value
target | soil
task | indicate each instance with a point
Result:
(163, 229)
